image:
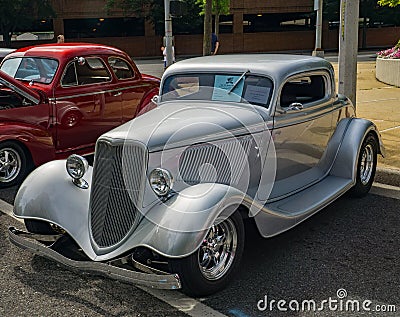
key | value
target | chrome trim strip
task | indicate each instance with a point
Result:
(27, 241)
(97, 92)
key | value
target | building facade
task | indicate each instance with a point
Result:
(252, 26)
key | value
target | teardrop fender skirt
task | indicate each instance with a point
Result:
(118, 269)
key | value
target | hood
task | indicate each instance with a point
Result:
(175, 124)
(20, 88)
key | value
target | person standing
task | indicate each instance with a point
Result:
(214, 44)
(164, 52)
(60, 39)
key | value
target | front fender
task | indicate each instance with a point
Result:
(356, 131)
(180, 224)
(48, 194)
(174, 228)
(35, 138)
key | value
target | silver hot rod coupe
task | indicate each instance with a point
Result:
(259, 138)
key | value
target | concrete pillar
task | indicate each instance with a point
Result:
(348, 48)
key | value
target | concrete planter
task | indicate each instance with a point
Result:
(388, 71)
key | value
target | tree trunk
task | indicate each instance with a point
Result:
(7, 38)
(216, 25)
(207, 28)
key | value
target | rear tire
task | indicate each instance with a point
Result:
(366, 167)
(211, 267)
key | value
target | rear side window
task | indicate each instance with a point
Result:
(85, 71)
(121, 68)
(304, 90)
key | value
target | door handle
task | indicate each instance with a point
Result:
(119, 93)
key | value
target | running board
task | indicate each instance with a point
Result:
(312, 199)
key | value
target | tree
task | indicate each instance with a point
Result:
(390, 3)
(219, 7)
(207, 27)
(19, 14)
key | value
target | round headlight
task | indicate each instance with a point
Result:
(161, 181)
(76, 166)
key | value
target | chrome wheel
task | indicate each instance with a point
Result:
(367, 164)
(217, 252)
(10, 164)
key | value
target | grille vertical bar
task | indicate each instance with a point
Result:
(118, 178)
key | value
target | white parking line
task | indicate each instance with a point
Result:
(385, 190)
(7, 209)
(187, 305)
(394, 128)
(375, 100)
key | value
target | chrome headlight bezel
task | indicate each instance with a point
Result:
(77, 166)
(161, 181)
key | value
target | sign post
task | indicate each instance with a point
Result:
(348, 48)
(318, 51)
(168, 33)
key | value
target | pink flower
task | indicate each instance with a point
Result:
(393, 52)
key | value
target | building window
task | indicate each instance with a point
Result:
(253, 23)
(103, 27)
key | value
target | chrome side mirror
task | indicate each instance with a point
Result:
(81, 61)
(155, 99)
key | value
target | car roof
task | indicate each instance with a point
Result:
(277, 66)
(67, 50)
(5, 51)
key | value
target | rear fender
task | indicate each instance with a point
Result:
(349, 150)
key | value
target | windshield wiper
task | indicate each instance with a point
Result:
(238, 81)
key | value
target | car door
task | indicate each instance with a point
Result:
(302, 128)
(131, 87)
(87, 103)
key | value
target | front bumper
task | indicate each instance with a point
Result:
(154, 278)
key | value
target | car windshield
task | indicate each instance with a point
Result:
(31, 68)
(246, 88)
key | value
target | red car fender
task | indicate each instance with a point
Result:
(35, 139)
(146, 104)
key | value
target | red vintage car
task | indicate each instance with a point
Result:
(57, 99)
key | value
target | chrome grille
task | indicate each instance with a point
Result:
(219, 162)
(118, 176)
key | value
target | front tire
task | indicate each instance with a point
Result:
(366, 167)
(211, 267)
(14, 164)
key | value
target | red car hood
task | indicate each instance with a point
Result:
(20, 88)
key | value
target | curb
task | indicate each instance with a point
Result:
(388, 176)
